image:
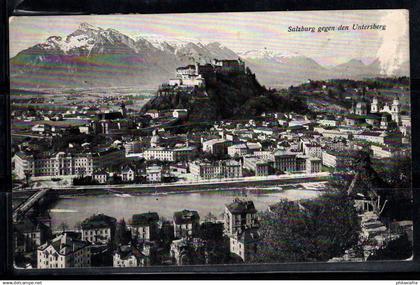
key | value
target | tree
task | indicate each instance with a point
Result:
(210, 217)
(398, 249)
(314, 230)
(122, 234)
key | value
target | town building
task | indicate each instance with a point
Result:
(64, 251)
(154, 174)
(127, 256)
(240, 216)
(244, 244)
(219, 169)
(216, 146)
(388, 151)
(101, 176)
(313, 164)
(29, 235)
(188, 251)
(336, 159)
(170, 154)
(144, 227)
(133, 148)
(311, 148)
(52, 164)
(237, 150)
(127, 174)
(260, 166)
(186, 223)
(99, 229)
(180, 113)
(380, 137)
(285, 161)
(241, 226)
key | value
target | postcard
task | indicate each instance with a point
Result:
(148, 140)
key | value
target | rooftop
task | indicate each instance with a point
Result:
(186, 216)
(241, 207)
(144, 219)
(98, 221)
(65, 244)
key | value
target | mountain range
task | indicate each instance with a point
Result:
(92, 56)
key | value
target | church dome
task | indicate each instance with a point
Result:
(155, 140)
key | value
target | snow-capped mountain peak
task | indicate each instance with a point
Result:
(165, 43)
(266, 53)
(86, 26)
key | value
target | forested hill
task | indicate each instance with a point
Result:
(227, 96)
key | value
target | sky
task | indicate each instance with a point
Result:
(246, 31)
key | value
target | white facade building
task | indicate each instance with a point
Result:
(64, 251)
(154, 173)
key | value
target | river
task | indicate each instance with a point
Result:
(73, 209)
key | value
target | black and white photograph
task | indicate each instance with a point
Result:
(145, 140)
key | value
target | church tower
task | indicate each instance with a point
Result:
(155, 140)
(374, 107)
(396, 110)
(123, 110)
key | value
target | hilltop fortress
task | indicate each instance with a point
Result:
(193, 75)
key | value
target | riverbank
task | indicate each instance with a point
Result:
(182, 186)
(74, 209)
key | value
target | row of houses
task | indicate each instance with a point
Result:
(238, 231)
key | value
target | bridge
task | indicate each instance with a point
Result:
(28, 204)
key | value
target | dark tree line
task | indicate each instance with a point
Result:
(314, 230)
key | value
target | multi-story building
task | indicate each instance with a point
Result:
(380, 137)
(241, 226)
(187, 76)
(332, 133)
(108, 157)
(220, 169)
(170, 154)
(388, 151)
(64, 251)
(154, 173)
(312, 149)
(264, 154)
(53, 164)
(101, 176)
(285, 161)
(127, 256)
(188, 251)
(239, 216)
(186, 223)
(260, 166)
(127, 174)
(244, 244)
(133, 148)
(29, 235)
(99, 229)
(144, 226)
(336, 159)
(231, 169)
(237, 150)
(313, 165)
(216, 146)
